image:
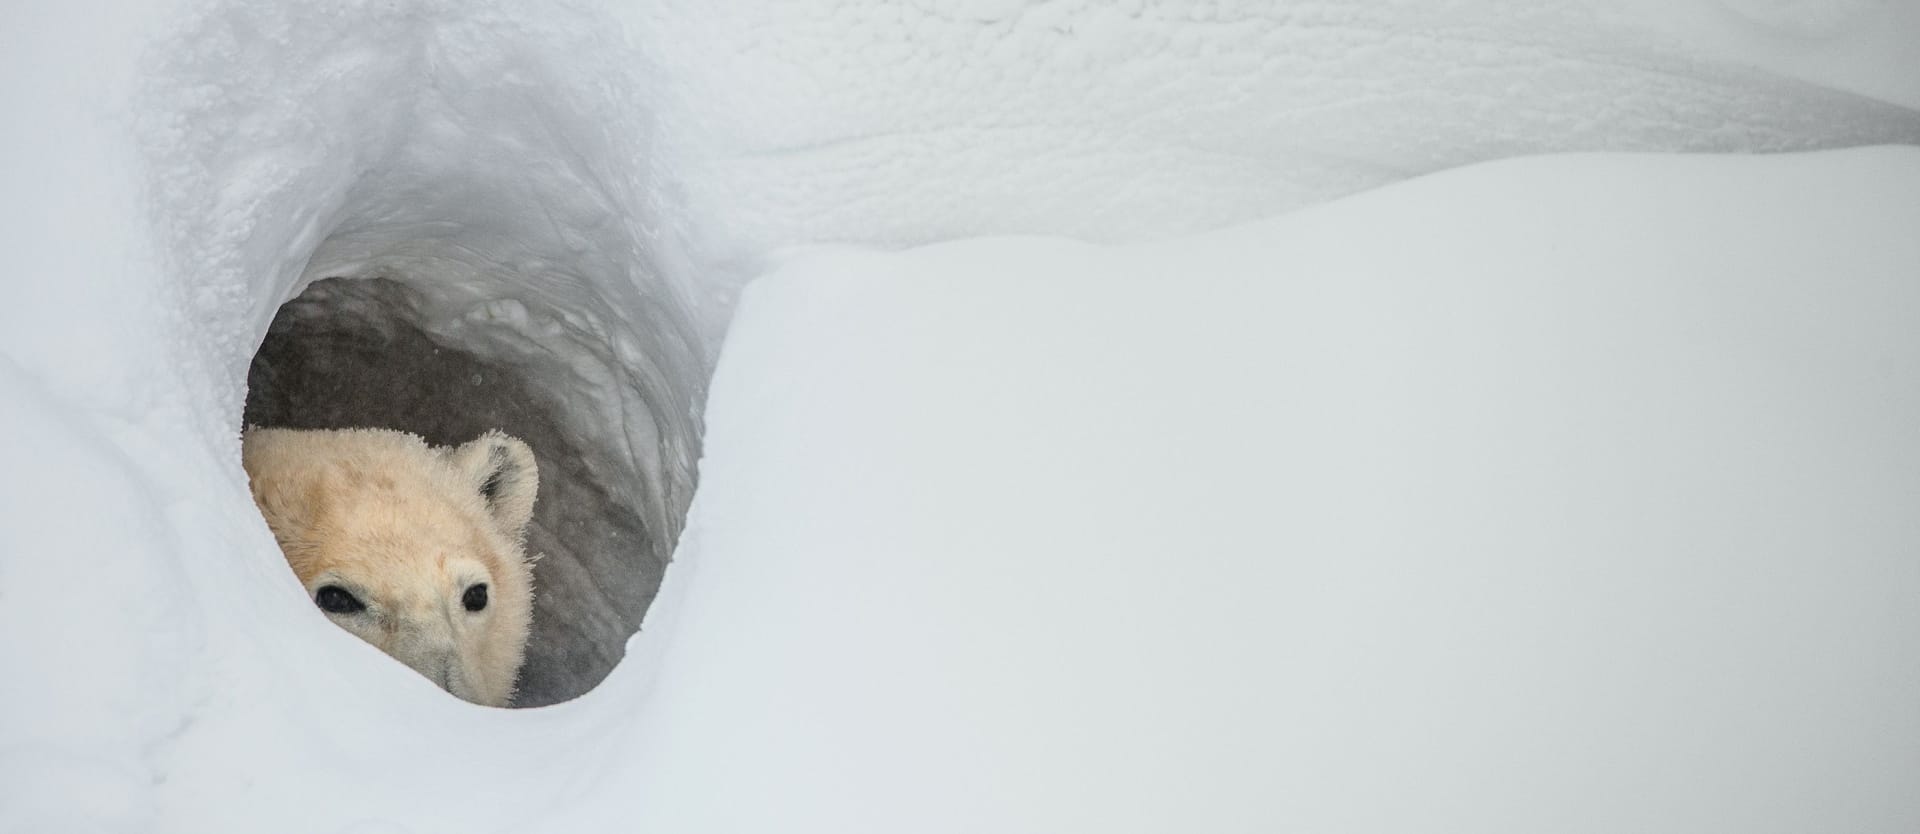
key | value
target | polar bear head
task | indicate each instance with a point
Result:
(415, 549)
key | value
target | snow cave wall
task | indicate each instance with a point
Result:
(481, 265)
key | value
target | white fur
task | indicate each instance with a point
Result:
(407, 530)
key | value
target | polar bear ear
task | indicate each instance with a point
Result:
(502, 470)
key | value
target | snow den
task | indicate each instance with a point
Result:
(352, 353)
(462, 239)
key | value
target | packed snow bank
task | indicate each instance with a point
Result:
(1568, 494)
(872, 121)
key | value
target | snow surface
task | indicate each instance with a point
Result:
(1587, 509)
(1551, 494)
(824, 120)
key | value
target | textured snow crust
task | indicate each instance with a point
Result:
(1113, 121)
(577, 190)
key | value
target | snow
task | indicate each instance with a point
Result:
(1556, 493)
(1393, 516)
(801, 122)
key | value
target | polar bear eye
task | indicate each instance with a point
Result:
(475, 598)
(334, 599)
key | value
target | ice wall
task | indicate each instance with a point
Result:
(577, 189)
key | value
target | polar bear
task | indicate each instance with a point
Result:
(415, 549)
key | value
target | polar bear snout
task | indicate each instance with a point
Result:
(425, 633)
(435, 659)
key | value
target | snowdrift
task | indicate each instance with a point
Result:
(1552, 493)
(1568, 494)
